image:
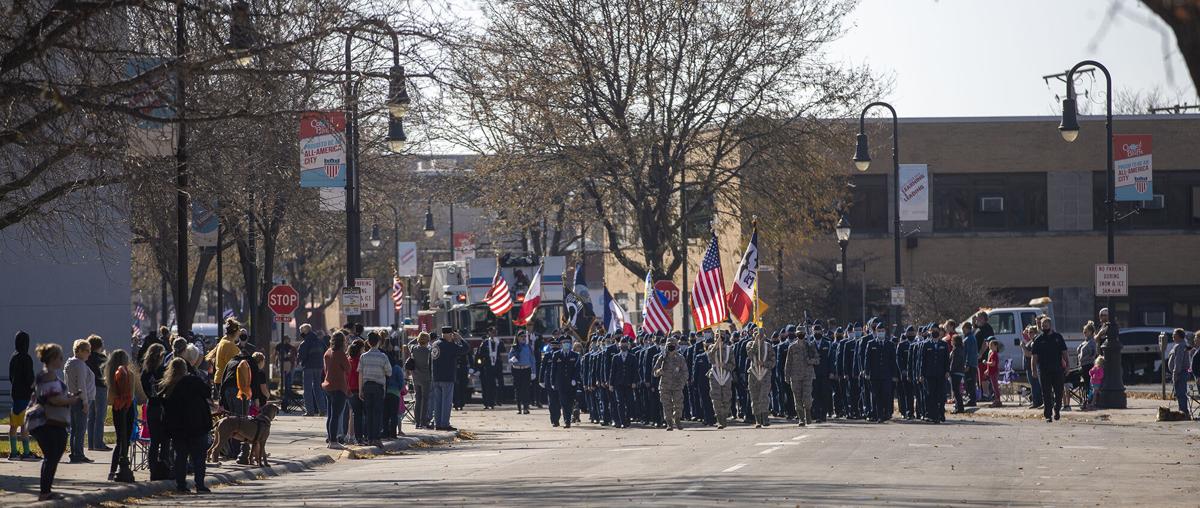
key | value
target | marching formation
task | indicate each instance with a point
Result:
(801, 373)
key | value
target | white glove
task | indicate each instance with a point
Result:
(533, 376)
(543, 385)
(572, 383)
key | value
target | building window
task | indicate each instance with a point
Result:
(869, 204)
(1176, 203)
(701, 210)
(988, 202)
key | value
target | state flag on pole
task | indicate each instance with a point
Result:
(745, 290)
(616, 320)
(654, 312)
(533, 298)
(498, 298)
(708, 298)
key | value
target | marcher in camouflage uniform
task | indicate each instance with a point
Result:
(671, 370)
(762, 361)
(720, 379)
(799, 371)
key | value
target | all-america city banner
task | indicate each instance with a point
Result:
(1133, 167)
(323, 149)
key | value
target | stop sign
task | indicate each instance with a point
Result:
(671, 290)
(283, 300)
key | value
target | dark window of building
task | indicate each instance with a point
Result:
(988, 202)
(869, 204)
(701, 210)
(1176, 203)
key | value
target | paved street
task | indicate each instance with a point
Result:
(981, 461)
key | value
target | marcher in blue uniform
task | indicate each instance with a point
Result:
(835, 373)
(559, 379)
(651, 403)
(881, 371)
(740, 362)
(700, 369)
(622, 378)
(849, 378)
(904, 388)
(935, 369)
(787, 401)
(822, 394)
(865, 405)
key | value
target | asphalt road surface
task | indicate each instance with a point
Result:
(522, 461)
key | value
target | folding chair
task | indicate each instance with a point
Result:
(1194, 400)
(410, 405)
(139, 446)
(1008, 388)
(1077, 396)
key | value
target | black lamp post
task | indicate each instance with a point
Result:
(843, 239)
(1112, 391)
(397, 102)
(429, 229)
(862, 161)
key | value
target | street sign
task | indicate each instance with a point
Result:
(283, 300)
(283, 319)
(368, 293)
(350, 301)
(897, 296)
(671, 290)
(1112, 280)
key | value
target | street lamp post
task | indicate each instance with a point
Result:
(843, 239)
(862, 161)
(1112, 391)
(397, 102)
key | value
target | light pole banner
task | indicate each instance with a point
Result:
(464, 246)
(323, 149)
(914, 192)
(152, 98)
(1133, 168)
(406, 259)
(204, 224)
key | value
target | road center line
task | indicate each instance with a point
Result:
(928, 445)
(802, 436)
(733, 468)
(1083, 447)
(769, 450)
(776, 443)
(632, 449)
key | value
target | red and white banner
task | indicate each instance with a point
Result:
(533, 298)
(1133, 165)
(323, 149)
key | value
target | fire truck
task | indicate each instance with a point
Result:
(456, 299)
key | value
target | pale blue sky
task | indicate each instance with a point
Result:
(987, 57)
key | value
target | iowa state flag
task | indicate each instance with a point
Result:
(616, 320)
(745, 289)
(533, 298)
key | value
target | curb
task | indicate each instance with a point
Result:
(278, 467)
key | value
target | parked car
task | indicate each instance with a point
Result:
(1141, 356)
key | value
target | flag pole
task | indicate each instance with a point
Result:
(754, 231)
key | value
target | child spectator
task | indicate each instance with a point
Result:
(993, 371)
(1097, 375)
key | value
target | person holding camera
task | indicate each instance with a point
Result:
(444, 354)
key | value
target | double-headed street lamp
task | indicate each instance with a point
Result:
(1112, 391)
(397, 103)
(862, 161)
(843, 238)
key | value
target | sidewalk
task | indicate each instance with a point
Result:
(1139, 410)
(296, 443)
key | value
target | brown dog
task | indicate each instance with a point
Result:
(247, 430)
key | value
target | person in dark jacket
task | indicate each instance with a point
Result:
(99, 405)
(20, 372)
(311, 355)
(622, 378)
(186, 421)
(445, 354)
(958, 371)
(151, 374)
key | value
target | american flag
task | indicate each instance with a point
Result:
(139, 312)
(708, 297)
(654, 315)
(498, 298)
(397, 293)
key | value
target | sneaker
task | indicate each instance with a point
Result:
(200, 489)
(14, 456)
(336, 446)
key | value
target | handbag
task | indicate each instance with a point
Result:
(410, 364)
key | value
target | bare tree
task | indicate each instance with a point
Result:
(937, 297)
(625, 102)
(1183, 17)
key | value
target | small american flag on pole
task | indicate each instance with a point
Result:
(397, 293)
(498, 297)
(708, 298)
(139, 312)
(654, 315)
